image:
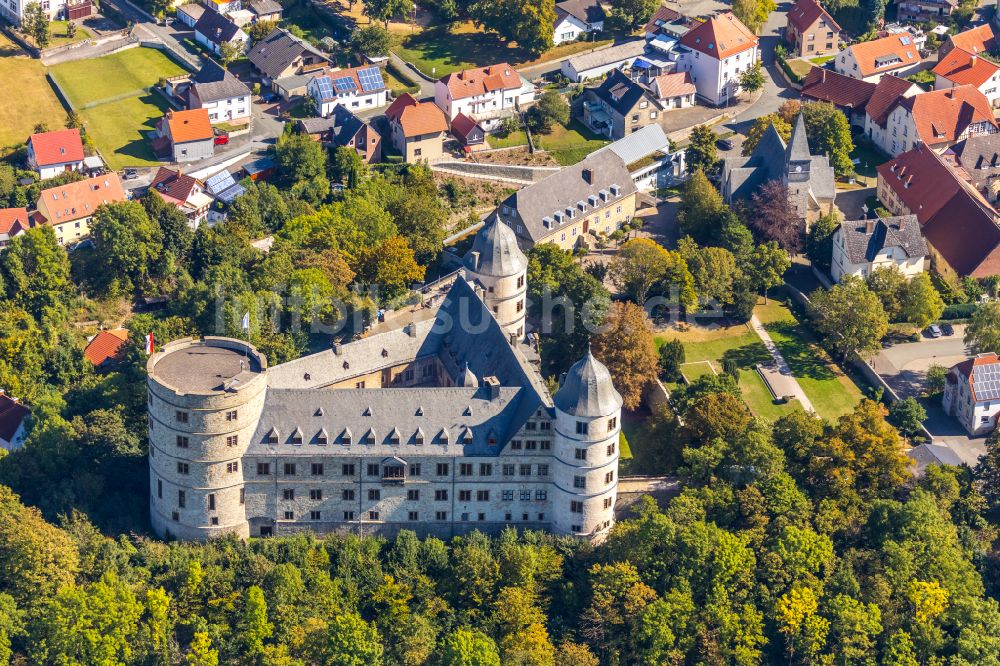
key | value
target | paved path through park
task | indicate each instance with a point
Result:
(778, 374)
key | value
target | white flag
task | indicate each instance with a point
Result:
(150, 347)
(245, 324)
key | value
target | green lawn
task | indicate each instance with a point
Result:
(86, 82)
(518, 138)
(314, 24)
(569, 145)
(870, 156)
(821, 60)
(831, 392)
(695, 369)
(396, 86)
(58, 36)
(111, 93)
(25, 77)
(800, 67)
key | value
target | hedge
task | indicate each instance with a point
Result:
(958, 311)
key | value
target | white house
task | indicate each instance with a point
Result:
(486, 94)
(972, 393)
(13, 417)
(53, 153)
(719, 51)
(889, 91)
(861, 246)
(13, 10)
(937, 119)
(214, 29)
(960, 67)
(354, 88)
(868, 61)
(575, 18)
(226, 98)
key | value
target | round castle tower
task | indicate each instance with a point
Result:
(500, 269)
(588, 421)
(205, 399)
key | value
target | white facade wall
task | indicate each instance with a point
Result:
(15, 442)
(228, 110)
(13, 10)
(841, 264)
(498, 103)
(977, 417)
(717, 80)
(593, 457)
(352, 101)
(990, 89)
(53, 170)
(506, 297)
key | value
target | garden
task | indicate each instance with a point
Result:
(115, 97)
(26, 77)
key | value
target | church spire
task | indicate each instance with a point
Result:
(797, 156)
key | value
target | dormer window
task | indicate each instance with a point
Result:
(346, 436)
(615, 190)
(418, 437)
(443, 436)
(272, 436)
(467, 435)
(369, 437)
(385, 353)
(321, 437)
(346, 365)
(296, 437)
(394, 436)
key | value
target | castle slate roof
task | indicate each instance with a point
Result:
(464, 331)
(864, 239)
(587, 390)
(498, 252)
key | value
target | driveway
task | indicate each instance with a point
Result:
(850, 201)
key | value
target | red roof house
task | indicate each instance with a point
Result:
(52, 153)
(12, 421)
(106, 347)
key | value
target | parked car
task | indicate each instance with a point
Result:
(129, 174)
(933, 331)
(725, 144)
(221, 140)
(947, 329)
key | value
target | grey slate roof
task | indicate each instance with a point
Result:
(798, 143)
(217, 28)
(213, 83)
(343, 125)
(587, 390)
(979, 155)
(265, 7)
(621, 93)
(565, 189)
(499, 254)
(864, 239)
(276, 52)
(637, 145)
(588, 11)
(463, 331)
(608, 56)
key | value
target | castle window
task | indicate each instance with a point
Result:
(611, 448)
(482, 496)
(211, 501)
(440, 515)
(369, 437)
(175, 516)
(232, 467)
(289, 469)
(607, 502)
(374, 494)
(412, 516)
(464, 495)
(543, 470)
(580, 454)
(580, 482)
(347, 469)
(440, 495)
(541, 495)
(520, 280)
(465, 469)
(531, 445)
(609, 477)
(296, 437)
(373, 515)
(159, 488)
(394, 436)
(413, 495)
(545, 445)
(182, 442)
(231, 415)
(442, 469)
(418, 437)
(182, 417)
(414, 469)
(515, 444)
(373, 469)
(546, 425)
(289, 515)
(525, 495)
(232, 440)
(508, 470)
(288, 494)
(530, 425)
(321, 438)
(243, 495)
(575, 528)
(525, 470)
(314, 515)
(612, 423)
(581, 428)
(485, 469)
(348, 515)
(263, 469)
(272, 436)
(507, 495)
(347, 495)
(576, 507)
(520, 305)
(317, 469)
(392, 472)
(481, 517)
(182, 468)
(181, 499)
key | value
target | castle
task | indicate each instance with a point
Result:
(441, 425)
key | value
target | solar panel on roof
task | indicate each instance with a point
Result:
(344, 84)
(325, 88)
(371, 79)
(905, 41)
(986, 382)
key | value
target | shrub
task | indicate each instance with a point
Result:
(958, 311)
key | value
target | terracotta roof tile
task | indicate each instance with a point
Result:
(662, 15)
(57, 147)
(673, 85)
(892, 48)
(75, 201)
(416, 118)
(720, 36)
(975, 40)
(351, 73)
(806, 12)
(106, 346)
(174, 186)
(13, 220)
(889, 90)
(462, 124)
(827, 85)
(942, 115)
(472, 82)
(192, 125)
(962, 67)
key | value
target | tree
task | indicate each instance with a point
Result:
(702, 210)
(701, 153)
(765, 266)
(575, 654)
(829, 133)
(982, 334)
(71, 29)
(888, 282)
(804, 629)
(714, 271)
(201, 653)
(854, 626)
(643, 263)
(347, 165)
(920, 303)
(35, 23)
(34, 272)
(625, 346)
(935, 378)
(259, 30)
(987, 471)
(819, 240)
(752, 78)
(390, 265)
(176, 231)
(256, 628)
(908, 415)
(230, 51)
(127, 245)
(633, 13)
(551, 109)
(527, 22)
(671, 359)
(753, 13)
(773, 217)
(467, 647)
(346, 641)
(761, 126)
(850, 317)
(899, 651)
(371, 40)
(300, 159)
(385, 10)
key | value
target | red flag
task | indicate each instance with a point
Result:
(149, 343)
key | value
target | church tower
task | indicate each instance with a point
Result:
(499, 269)
(798, 160)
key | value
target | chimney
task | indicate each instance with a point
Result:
(475, 261)
(588, 176)
(337, 349)
(411, 329)
(869, 227)
(493, 384)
